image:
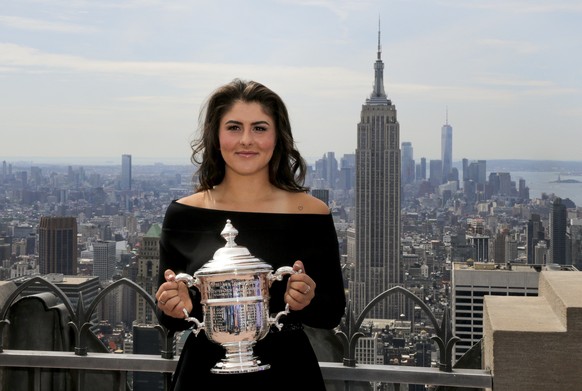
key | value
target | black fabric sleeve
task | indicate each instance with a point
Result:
(328, 306)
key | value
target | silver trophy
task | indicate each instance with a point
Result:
(234, 288)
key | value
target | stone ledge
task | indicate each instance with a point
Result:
(521, 314)
(563, 292)
(532, 343)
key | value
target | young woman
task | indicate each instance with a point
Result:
(251, 173)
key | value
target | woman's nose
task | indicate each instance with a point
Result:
(246, 137)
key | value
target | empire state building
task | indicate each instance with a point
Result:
(375, 255)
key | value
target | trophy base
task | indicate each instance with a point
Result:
(239, 358)
(232, 368)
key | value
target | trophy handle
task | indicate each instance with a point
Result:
(275, 320)
(190, 282)
(199, 325)
(187, 279)
(278, 275)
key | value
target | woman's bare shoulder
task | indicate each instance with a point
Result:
(196, 199)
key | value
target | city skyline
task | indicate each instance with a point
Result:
(103, 79)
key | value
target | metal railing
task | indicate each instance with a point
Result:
(349, 372)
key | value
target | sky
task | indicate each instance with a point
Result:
(98, 79)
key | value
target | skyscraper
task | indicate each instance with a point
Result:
(534, 234)
(57, 246)
(332, 170)
(422, 168)
(125, 172)
(468, 288)
(435, 175)
(408, 166)
(557, 230)
(376, 254)
(104, 259)
(446, 149)
(147, 274)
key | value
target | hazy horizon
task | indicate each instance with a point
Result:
(116, 160)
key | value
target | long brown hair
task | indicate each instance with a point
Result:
(287, 168)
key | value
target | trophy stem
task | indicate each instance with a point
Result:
(239, 358)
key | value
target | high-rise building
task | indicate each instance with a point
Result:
(408, 166)
(326, 171)
(147, 272)
(500, 183)
(347, 172)
(471, 283)
(478, 172)
(511, 253)
(523, 190)
(57, 246)
(376, 254)
(474, 179)
(446, 149)
(332, 170)
(435, 173)
(104, 259)
(557, 230)
(125, 183)
(480, 245)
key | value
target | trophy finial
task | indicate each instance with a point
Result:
(229, 233)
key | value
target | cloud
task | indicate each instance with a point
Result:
(527, 6)
(341, 8)
(28, 59)
(520, 47)
(20, 23)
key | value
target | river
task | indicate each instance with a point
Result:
(541, 182)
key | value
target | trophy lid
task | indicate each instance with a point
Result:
(232, 257)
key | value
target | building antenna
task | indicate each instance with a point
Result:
(379, 45)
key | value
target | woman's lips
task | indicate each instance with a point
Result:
(246, 153)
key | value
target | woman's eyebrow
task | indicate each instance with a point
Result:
(232, 121)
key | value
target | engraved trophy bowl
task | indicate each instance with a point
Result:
(234, 289)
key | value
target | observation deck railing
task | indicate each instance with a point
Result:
(349, 373)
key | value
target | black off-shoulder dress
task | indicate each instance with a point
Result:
(189, 238)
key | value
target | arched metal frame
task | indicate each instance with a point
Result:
(348, 332)
(351, 329)
(81, 318)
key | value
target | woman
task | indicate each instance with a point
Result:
(251, 173)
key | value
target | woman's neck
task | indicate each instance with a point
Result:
(246, 194)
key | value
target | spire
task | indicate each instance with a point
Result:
(379, 45)
(447, 115)
(378, 96)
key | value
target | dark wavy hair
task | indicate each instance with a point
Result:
(287, 168)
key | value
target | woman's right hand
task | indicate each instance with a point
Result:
(173, 296)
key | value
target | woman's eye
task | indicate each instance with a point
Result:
(260, 129)
(233, 127)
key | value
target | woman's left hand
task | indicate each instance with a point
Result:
(300, 288)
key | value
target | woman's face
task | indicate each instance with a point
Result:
(247, 138)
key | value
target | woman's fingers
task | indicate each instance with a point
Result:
(300, 288)
(172, 296)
